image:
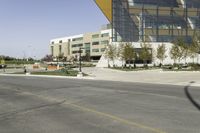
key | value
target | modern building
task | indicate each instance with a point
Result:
(152, 20)
(155, 22)
(92, 44)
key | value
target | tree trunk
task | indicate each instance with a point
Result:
(193, 59)
(185, 61)
(129, 64)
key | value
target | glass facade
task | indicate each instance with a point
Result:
(155, 20)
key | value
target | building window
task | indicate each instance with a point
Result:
(52, 42)
(77, 45)
(87, 51)
(77, 51)
(104, 42)
(105, 35)
(87, 45)
(52, 50)
(95, 50)
(77, 39)
(60, 49)
(103, 49)
(60, 41)
(95, 36)
(95, 43)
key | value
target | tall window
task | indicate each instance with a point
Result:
(60, 49)
(52, 50)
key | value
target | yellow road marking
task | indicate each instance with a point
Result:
(127, 122)
(124, 121)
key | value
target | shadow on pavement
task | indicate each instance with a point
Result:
(189, 96)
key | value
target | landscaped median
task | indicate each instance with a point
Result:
(175, 67)
(60, 72)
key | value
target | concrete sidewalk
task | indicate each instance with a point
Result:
(147, 76)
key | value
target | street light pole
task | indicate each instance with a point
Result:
(80, 60)
(80, 74)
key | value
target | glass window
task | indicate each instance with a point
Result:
(105, 35)
(52, 50)
(52, 42)
(60, 41)
(60, 49)
(77, 45)
(104, 42)
(77, 39)
(95, 50)
(95, 43)
(87, 45)
(103, 49)
(77, 51)
(95, 36)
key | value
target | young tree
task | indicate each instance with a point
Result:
(145, 53)
(192, 53)
(111, 53)
(128, 53)
(180, 48)
(161, 53)
(196, 45)
(120, 54)
(174, 53)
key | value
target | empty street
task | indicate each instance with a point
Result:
(51, 105)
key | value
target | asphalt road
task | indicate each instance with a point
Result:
(50, 105)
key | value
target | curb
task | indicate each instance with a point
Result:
(46, 76)
(93, 78)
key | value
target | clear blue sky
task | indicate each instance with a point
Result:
(26, 26)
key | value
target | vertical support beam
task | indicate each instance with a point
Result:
(143, 22)
(172, 18)
(186, 18)
(114, 36)
(157, 21)
(198, 13)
